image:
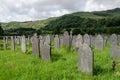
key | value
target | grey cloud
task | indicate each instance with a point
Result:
(21, 10)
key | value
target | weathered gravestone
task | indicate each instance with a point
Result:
(12, 43)
(66, 39)
(87, 39)
(46, 52)
(85, 59)
(47, 39)
(92, 41)
(99, 43)
(74, 40)
(18, 39)
(56, 42)
(23, 44)
(115, 51)
(4, 43)
(35, 46)
(61, 41)
(79, 41)
(113, 39)
(41, 41)
(118, 38)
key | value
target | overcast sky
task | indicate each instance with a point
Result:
(27, 10)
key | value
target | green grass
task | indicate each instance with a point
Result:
(62, 66)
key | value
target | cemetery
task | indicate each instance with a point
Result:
(60, 57)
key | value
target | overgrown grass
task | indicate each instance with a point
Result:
(62, 66)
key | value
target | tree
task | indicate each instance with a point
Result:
(1, 30)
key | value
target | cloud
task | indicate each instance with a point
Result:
(22, 10)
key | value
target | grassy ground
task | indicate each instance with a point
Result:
(63, 66)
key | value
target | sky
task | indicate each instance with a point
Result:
(30, 10)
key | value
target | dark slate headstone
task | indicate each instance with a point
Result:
(23, 44)
(66, 39)
(56, 42)
(46, 52)
(12, 43)
(85, 59)
(113, 39)
(87, 39)
(99, 42)
(35, 46)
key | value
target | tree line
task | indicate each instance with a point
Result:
(77, 25)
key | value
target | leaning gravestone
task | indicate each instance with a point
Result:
(23, 44)
(113, 39)
(35, 46)
(66, 39)
(99, 42)
(12, 43)
(56, 42)
(46, 52)
(86, 39)
(85, 59)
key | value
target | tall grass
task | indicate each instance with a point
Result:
(62, 66)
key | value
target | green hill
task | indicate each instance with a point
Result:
(42, 23)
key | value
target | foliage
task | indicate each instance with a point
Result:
(63, 65)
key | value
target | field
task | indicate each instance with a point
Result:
(63, 66)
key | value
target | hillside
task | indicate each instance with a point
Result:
(42, 23)
(28, 24)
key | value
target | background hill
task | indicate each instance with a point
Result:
(97, 21)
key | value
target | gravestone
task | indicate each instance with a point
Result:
(92, 41)
(85, 59)
(12, 43)
(18, 39)
(74, 41)
(86, 39)
(4, 43)
(56, 42)
(61, 41)
(115, 51)
(113, 39)
(47, 39)
(41, 41)
(66, 39)
(79, 41)
(46, 52)
(99, 43)
(23, 44)
(118, 38)
(35, 46)
(6, 39)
